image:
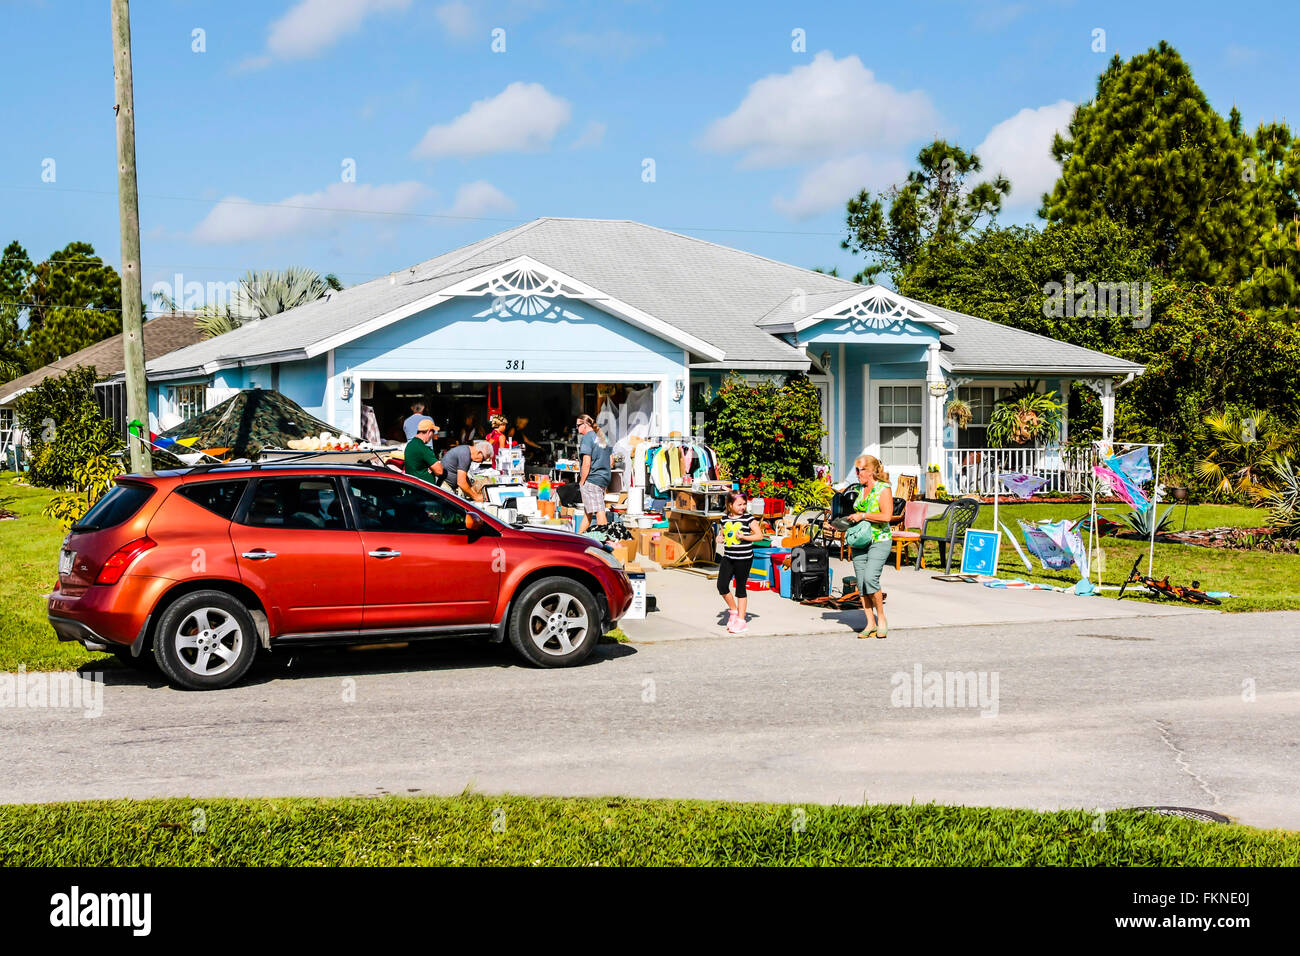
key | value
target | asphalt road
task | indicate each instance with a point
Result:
(1201, 710)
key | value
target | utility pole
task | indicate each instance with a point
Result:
(128, 201)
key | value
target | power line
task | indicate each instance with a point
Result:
(410, 215)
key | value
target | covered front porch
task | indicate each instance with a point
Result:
(888, 372)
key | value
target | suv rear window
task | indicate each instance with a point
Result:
(219, 497)
(117, 506)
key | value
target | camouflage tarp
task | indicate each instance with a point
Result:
(246, 423)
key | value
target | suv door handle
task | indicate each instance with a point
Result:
(385, 553)
(259, 555)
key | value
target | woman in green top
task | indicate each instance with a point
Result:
(876, 505)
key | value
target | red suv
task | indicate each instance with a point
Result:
(204, 565)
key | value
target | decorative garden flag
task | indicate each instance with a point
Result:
(1135, 464)
(1057, 544)
(1023, 485)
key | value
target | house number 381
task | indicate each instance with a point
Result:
(515, 364)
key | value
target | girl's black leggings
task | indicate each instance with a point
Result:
(729, 568)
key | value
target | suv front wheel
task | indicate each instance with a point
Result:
(555, 623)
(205, 641)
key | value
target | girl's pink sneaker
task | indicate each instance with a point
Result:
(731, 621)
(738, 625)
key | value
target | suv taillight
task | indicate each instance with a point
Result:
(112, 570)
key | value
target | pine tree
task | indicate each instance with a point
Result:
(1151, 153)
(933, 206)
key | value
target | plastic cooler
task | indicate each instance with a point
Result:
(761, 570)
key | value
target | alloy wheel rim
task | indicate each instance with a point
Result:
(208, 641)
(558, 624)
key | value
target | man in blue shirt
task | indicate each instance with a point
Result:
(413, 422)
(595, 473)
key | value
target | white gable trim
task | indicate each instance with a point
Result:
(518, 282)
(876, 307)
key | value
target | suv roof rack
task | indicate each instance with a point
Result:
(294, 461)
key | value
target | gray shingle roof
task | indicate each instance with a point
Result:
(980, 345)
(721, 295)
(710, 291)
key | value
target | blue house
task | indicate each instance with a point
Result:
(562, 315)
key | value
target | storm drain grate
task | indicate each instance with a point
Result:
(1187, 813)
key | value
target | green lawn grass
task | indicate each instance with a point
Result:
(1261, 581)
(29, 550)
(474, 830)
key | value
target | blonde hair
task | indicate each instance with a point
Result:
(872, 462)
(498, 421)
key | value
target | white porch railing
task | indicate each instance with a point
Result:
(973, 471)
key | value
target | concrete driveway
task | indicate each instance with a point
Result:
(690, 607)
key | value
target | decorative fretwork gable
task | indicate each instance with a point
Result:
(876, 308)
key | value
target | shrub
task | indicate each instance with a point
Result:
(810, 493)
(1139, 520)
(1246, 446)
(766, 432)
(1284, 501)
(91, 479)
(64, 427)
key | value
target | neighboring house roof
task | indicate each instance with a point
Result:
(720, 300)
(163, 334)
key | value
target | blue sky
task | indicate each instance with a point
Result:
(754, 144)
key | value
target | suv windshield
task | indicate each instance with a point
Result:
(115, 507)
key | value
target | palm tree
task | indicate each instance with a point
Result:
(1249, 445)
(262, 293)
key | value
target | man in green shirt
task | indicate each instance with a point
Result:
(419, 456)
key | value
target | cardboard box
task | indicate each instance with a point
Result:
(668, 551)
(625, 551)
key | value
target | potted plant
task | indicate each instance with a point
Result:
(1024, 416)
(959, 412)
(932, 481)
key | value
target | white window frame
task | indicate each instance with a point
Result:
(174, 398)
(871, 416)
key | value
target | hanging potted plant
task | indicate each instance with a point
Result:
(1023, 417)
(959, 412)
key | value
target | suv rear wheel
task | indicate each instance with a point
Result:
(205, 641)
(554, 623)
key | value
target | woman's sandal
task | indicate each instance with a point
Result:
(883, 632)
(870, 633)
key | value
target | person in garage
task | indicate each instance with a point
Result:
(454, 469)
(419, 460)
(595, 475)
(412, 421)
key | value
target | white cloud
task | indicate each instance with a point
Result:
(456, 18)
(477, 198)
(593, 134)
(524, 117)
(235, 219)
(830, 184)
(1020, 147)
(828, 106)
(312, 26)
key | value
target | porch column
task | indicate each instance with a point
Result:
(935, 390)
(1065, 411)
(1108, 410)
